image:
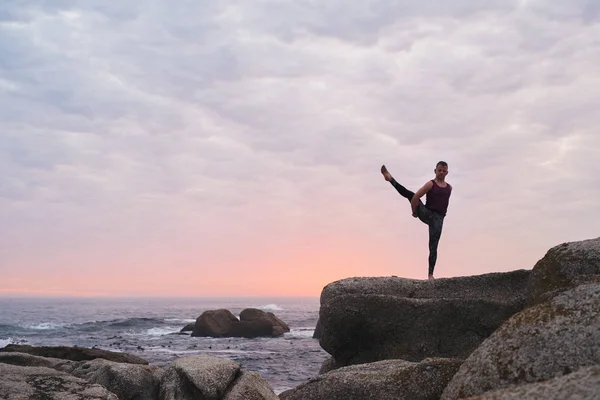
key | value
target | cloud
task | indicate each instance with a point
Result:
(183, 129)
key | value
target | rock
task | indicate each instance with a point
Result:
(74, 353)
(581, 384)
(197, 377)
(539, 343)
(318, 330)
(21, 383)
(372, 319)
(214, 323)
(28, 360)
(253, 314)
(188, 328)
(382, 380)
(251, 386)
(253, 323)
(563, 267)
(127, 381)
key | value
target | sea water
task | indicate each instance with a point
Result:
(150, 328)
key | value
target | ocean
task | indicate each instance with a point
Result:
(149, 328)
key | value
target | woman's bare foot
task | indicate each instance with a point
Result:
(431, 277)
(386, 175)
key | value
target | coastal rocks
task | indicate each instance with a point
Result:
(382, 380)
(24, 376)
(127, 381)
(252, 323)
(545, 341)
(563, 267)
(22, 383)
(75, 353)
(371, 319)
(581, 384)
(207, 377)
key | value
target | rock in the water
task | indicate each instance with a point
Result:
(214, 323)
(197, 377)
(563, 267)
(41, 383)
(127, 381)
(253, 323)
(372, 319)
(278, 327)
(580, 385)
(539, 343)
(74, 353)
(188, 328)
(251, 386)
(382, 380)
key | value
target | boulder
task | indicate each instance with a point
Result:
(198, 377)
(253, 323)
(18, 383)
(214, 323)
(188, 328)
(371, 319)
(251, 386)
(581, 384)
(127, 381)
(382, 380)
(28, 360)
(74, 353)
(563, 267)
(253, 314)
(542, 342)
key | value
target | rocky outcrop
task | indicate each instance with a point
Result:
(382, 380)
(563, 267)
(17, 382)
(253, 314)
(24, 376)
(74, 353)
(252, 323)
(373, 319)
(581, 384)
(127, 381)
(538, 344)
(207, 377)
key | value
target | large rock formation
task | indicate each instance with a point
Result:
(382, 380)
(207, 377)
(581, 384)
(372, 319)
(565, 266)
(540, 343)
(22, 383)
(24, 376)
(74, 353)
(252, 323)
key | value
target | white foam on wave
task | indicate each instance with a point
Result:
(47, 326)
(6, 342)
(300, 333)
(269, 307)
(180, 320)
(160, 331)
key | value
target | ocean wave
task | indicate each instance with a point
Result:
(161, 331)
(180, 320)
(299, 333)
(269, 307)
(135, 322)
(6, 342)
(43, 326)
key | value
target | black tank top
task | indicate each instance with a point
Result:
(438, 198)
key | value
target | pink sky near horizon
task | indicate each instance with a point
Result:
(206, 150)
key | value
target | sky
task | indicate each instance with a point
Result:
(198, 148)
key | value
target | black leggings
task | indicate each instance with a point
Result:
(434, 220)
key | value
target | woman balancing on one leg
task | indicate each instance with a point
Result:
(434, 210)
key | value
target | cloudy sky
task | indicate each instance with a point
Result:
(221, 148)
